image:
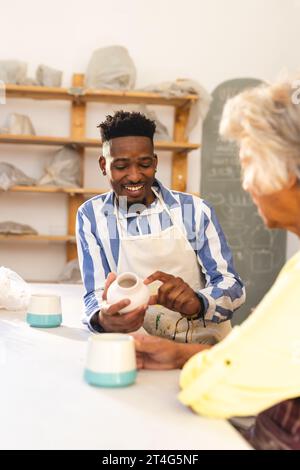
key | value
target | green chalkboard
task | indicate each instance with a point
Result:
(258, 253)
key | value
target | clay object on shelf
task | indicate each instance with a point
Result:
(18, 124)
(47, 76)
(13, 71)
(111, 67)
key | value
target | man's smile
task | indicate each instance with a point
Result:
(134, 190)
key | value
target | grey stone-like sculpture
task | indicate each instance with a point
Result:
(47, 76)
(18, 124)
(14, 228)
(11, 176)
(29, 81)
(13, 71)
(63, 169)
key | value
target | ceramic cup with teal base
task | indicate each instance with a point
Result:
(44, 311)
(110, 360)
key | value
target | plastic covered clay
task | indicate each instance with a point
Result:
(14, 291)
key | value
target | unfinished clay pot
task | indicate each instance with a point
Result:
(128, 286)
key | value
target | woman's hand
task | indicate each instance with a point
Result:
(157, 353)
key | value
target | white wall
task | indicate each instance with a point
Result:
(209, 41)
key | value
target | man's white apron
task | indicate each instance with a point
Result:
(168, 251)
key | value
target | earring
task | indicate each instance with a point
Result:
(103, 172)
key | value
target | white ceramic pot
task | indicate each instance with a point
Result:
(110, 360)
(44, 311)
(128, 286)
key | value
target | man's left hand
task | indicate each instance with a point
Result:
(174, 294)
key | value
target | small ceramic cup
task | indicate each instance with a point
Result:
(44, 311)
(110, 360)
(128, 286)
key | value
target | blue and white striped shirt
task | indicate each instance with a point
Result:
(98, 248)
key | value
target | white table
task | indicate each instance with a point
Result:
(45, 404)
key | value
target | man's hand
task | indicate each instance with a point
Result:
(110, 318)
(174, 294)
(157, 353)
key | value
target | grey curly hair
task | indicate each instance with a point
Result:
(265, 120)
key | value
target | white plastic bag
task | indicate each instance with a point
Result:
(182, 87)
(11, 176)
(14, 291)
(111, 67)
(70, 273)
(161, 131)
(63, 169)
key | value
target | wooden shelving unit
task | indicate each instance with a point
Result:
(56, 189)
(79, 98)
(39, 238)
(84, 95)
(86, 143)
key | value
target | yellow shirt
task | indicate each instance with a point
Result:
(258, 364)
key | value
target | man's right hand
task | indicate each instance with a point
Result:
(113, 321)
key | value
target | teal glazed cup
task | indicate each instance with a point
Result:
(110, 360)
(44, 311)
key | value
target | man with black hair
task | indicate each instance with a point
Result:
(170, 239)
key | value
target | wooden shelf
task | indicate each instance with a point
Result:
(55, 189)
(85, 142)
(136, 97)
(70, 191)
(85, 95)
(39, 238)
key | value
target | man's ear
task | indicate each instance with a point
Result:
(102, 164)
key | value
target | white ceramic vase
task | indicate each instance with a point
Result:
(128, 286)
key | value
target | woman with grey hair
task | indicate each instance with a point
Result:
(256, 369)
